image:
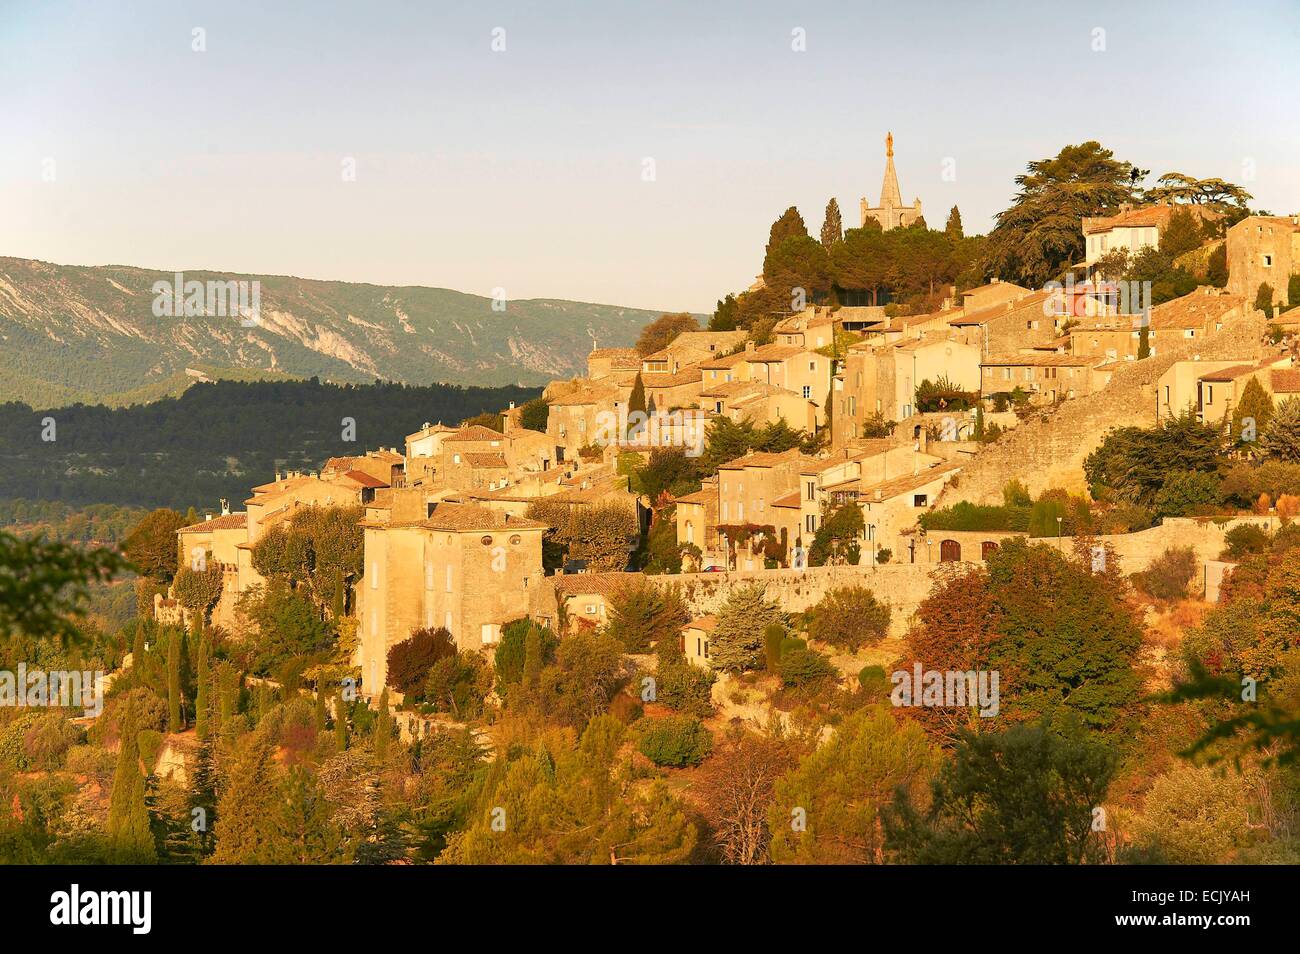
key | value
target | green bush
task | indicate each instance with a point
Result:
(1188, 492)
(801, 666)
(678, 741)
(1244, 539)
(685, 687)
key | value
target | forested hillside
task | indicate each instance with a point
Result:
(216, 440)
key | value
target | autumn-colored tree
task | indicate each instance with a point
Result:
(736, 786)
(410, 660)
(660, 333)
(151, 545)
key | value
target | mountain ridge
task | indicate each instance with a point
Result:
(59, 324)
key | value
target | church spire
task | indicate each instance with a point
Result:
(890, 196)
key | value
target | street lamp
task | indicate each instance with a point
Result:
(1059, 544)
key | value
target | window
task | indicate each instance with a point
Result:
(491, 633)
(591, 609)
(455, 458)
(807, 392)
(853, 406)
(812, 490)
(1268, 261)
(920, 500)
(810, 523)
(515, 540)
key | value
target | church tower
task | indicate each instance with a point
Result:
(891, 213)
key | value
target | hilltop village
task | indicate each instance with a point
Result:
(898, 556)
(850, 424)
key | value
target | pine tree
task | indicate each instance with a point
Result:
(129, 833)
(301, 831)
(203, 691)
(1281, 439)
(383, 729)
(789, 225)
(1255, 405)
(174, 682)
(953, 228)
(243, 810)
(832, 226)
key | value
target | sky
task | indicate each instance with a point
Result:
(529, 168)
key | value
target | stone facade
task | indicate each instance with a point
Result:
(1263, 250)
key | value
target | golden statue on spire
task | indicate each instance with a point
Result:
(889, 144)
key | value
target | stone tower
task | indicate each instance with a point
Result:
(891, 213)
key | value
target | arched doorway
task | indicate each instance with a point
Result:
(987, 549)
(949, 551)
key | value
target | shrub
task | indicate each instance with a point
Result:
(685, 687)
(458, 684)
(1168, 575)
(1243, 539)
(1188, 492)
(46, 742)
(849, 617)
(801, 666)
(678, 741)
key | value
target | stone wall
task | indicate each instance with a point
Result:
(902, 586)
(1048, 450)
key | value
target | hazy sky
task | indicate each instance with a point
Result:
(523, 169)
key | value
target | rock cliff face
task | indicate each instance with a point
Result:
(70, 333)
(1049, 450)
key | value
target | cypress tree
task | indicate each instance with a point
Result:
(128, 819)
(832, 226)
(383, 729)
(953, 229)
(1144, 342)
(137, 647)
(532, 656)
(322, 717)
(340, 723)
(174, 682)
(243, 810)
(202, 692)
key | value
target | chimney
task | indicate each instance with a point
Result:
(225, 507)
(749, 345)
(879, 494)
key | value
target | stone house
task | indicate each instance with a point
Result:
(1263, 250)
(1011, 325)
(460, 566)
(1131, 229)
(1046, 378)
(882, 379)
(695, 640)
(1196, 315)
